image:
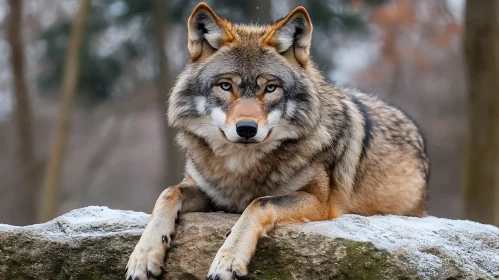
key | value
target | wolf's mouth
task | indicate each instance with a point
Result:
(245, 142)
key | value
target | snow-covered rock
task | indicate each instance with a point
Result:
(95, 242)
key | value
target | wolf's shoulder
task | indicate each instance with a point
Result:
(384, 113)
(389, 123)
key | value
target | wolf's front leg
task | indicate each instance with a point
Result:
(148, 256)
(262, 214)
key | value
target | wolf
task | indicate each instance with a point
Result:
(265, 135)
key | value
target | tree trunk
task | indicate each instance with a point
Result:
(23, 116)
(174, 159)
(71, 72)
(481, 184)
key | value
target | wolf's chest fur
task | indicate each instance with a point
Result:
(233, 181)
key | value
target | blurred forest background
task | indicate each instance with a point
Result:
(99, 72)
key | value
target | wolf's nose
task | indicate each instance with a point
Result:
(246, 129)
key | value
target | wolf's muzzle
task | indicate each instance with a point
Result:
(246, 129)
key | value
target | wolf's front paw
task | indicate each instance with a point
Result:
(147, 259)
(227, 266)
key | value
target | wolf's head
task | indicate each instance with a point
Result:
(246, 86)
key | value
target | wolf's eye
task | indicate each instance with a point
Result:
(226, 86)
(270, 88)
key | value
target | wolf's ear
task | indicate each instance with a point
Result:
(294, 32)
(206, 27)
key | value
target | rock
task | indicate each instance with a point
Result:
(95, 242)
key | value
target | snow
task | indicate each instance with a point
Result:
(88, 221)
(423, 241)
